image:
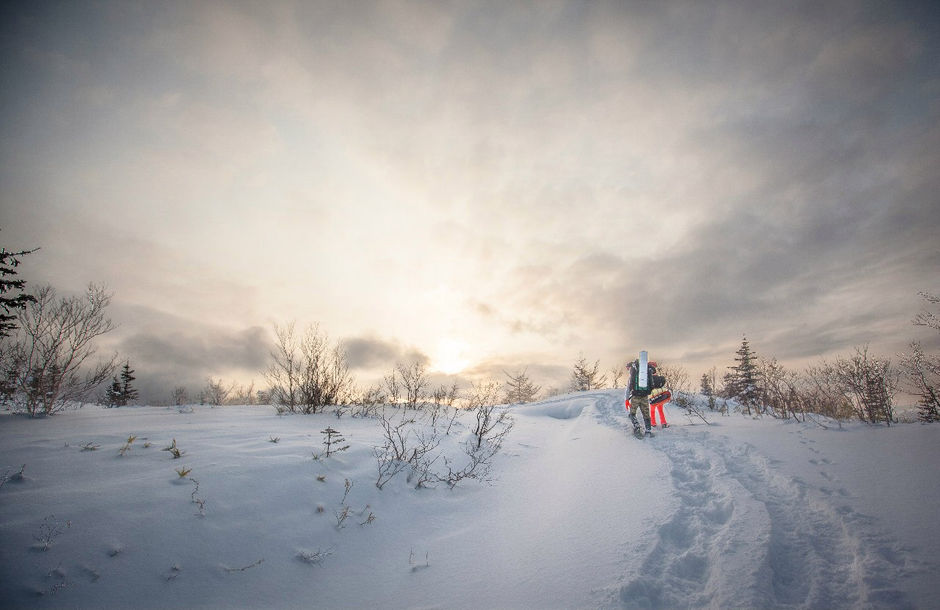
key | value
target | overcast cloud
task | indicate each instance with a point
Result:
(484, 185)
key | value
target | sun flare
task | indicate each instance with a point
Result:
(450, 357)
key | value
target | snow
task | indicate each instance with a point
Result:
(741, 513)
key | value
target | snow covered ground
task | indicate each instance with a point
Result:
(741, 513)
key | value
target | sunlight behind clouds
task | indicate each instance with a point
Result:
(479, 182)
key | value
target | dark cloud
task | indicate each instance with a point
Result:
(168, 351)
(372, 353)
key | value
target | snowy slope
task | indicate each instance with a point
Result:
(742, 513)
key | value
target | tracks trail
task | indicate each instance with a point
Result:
(746, 534)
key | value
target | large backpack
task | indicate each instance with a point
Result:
(636, 381)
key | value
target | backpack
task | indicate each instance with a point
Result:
(635, 387)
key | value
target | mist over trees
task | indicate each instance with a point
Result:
(49, 361)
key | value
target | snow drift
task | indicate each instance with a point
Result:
(740, 513)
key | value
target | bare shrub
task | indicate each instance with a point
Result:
(781, 392)
(414, 380)
(923, 376)
(308, 372)
(216, 393)
(47, 362)
(868, 382)
(677, 378)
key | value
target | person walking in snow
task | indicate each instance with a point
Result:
(637, 395)
(657, 400)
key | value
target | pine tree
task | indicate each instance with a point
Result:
(520, 389)
(9, 261)
(584, 377)
(121, 391)
(128, 392)
(113, 393)
(744, 376)
(708, 389)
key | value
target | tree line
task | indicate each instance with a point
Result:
(48, 361)
(861, 385)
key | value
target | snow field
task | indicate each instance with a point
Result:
(742, 513)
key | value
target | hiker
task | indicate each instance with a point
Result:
(637, 395)
(657, 400)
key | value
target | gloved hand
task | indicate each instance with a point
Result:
(627, 403)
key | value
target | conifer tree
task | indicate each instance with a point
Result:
(744, 376)
(11, 303)
(520, 389)
(584, 377)
(708, 389)
(128, 391)
(122, 392)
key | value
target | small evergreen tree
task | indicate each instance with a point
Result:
(708, 389)
(519, 389)
(744, 377)
(11, 303)
(113, 393)
(584, 377)
(128, 391)
(122, 391)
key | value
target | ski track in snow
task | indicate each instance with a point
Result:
(747, 535)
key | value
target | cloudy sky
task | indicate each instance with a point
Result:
(488, 185)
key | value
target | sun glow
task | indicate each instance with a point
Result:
(450, 357)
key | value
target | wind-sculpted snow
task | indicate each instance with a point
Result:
(578, 513)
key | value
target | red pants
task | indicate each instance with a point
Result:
(662, 416)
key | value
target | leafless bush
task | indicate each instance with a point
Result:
(677, 378)
(823, 394)
(216, 393)
(414, 380)
(923, 376)
(922, 369)
(307, 372)
(617, 376)
(445, 396)
(405, 447)
(46, 363)
(781, 391)
(179, 395)
(868, 382)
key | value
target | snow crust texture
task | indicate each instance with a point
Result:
(742, 513)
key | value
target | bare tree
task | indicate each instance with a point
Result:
(414, 380)
(869, 383)
(49, 359)
(677, 378)
(216, 393)
(923, 375)
(520, 389)
(824, 394)
(922, 369)
(283, 374)
(492, 424)
(616, 376)
(179, 395)
(308, 372)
